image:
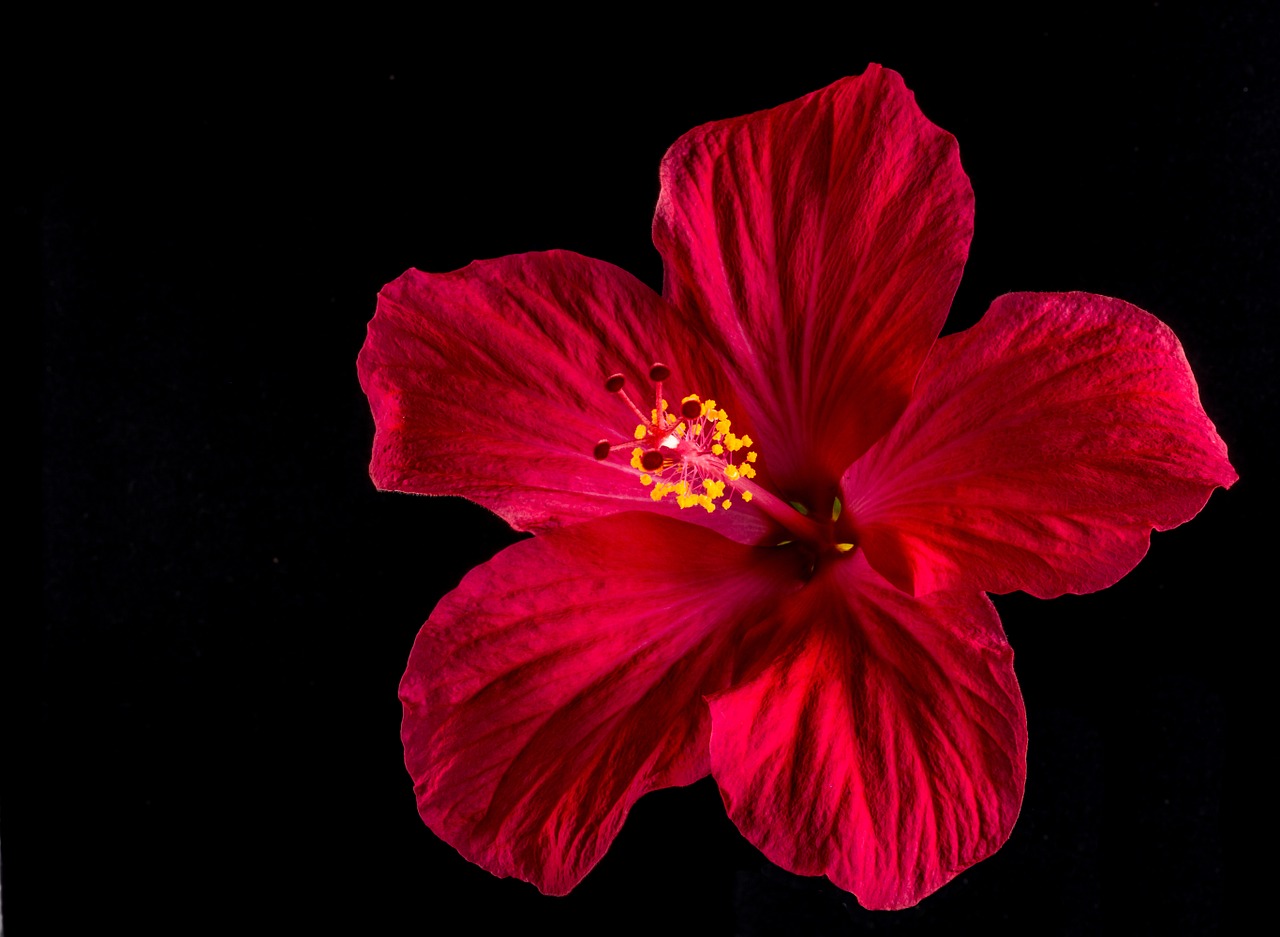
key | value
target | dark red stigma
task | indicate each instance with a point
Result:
(651, 460)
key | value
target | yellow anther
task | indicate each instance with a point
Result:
(844, 547)
(691, 448)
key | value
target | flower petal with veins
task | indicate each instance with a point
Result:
(564, 678)
(884, 745)
(816, 246)
(488, 382)
(1041, 448)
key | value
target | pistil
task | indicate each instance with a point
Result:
(693, 454)
(803, 528)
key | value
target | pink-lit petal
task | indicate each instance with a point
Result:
(488, 383)
(884, 747)
(817, 246)
(1042, 447)
(565, 678)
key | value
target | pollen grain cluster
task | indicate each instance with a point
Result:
(694, 455)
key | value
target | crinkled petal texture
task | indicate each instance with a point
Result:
(884, 746)
(488, 382)
(565, 678)
(817, 247)
(1041, 448)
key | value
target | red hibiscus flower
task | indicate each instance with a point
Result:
(769, 506)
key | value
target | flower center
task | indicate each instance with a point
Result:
(692, 454)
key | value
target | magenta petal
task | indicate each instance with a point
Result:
(565, 678)
(488, 382)
(817, 247)
(884, 747)
(1042, 447)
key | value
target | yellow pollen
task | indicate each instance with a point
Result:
(844, 547)
(699, 466)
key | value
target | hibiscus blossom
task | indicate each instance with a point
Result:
(769, 504)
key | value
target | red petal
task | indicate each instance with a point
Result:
(564, 678)
(1042, 447)
(884, 747)
(488, 382)
(817, 246)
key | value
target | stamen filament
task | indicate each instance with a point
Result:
(634, 409)
(659, 373)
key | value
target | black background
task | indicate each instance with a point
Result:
(201, 725)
